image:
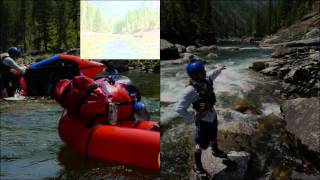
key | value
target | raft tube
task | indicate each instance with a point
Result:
(87, 67)
(137, 146)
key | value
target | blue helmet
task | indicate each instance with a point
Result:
(14, 52)
(194, 67)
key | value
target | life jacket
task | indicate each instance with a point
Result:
(3, 68)
(207, 97)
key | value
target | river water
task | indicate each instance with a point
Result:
(31, 147)
(235, 82)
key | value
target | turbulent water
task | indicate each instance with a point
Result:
(235, 82)
(31, 147)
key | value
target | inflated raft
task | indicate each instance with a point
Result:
(87, 67)
(138, 146)
(41, 76)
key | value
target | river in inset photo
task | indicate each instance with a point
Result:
(32, 149)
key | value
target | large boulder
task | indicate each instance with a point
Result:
(281, 51)
(243, 106)
(296, 75)
(191, 49)
(168, 50)
(258, 65)
(218, 170)
(302, 117)
(270, 71)
(186, 57)
(181, 48)
(212, 56)
(238, 127)
(313, 33)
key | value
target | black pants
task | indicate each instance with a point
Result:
(206, 132)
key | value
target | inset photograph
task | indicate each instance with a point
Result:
(120, 29)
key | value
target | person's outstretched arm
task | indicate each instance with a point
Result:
(214, 73)
(11, 63)
(189, 96)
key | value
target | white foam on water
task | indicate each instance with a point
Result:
(167, 113)
(271, 108)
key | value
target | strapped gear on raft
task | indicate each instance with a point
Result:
(77, 95)
(207, 97)
(91, 99)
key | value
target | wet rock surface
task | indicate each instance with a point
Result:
(296, 58)
(243, 106)
(218, 170)
(168, 50)
(181, 48)
(302, 117)
(275, 153)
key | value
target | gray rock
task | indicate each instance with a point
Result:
(207, 48)
(242, 159)
(188, 56)
(243, 106)
(203, 48)
(298, 176)
(281, 51)
(304, 42)
(238, 127)
(258, 65)
(302, 117)
(217, 169)
(191, 49)
(297, 75)
(181, 48)
(315, 56)
(271, 71)
(168, 50)
(213, 48)
(212, 56)
(313, 33)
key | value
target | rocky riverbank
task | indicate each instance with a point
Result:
(295, 59)
(179, 54)
(139, 65)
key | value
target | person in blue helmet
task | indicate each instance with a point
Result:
(200, 94)
(8, 68)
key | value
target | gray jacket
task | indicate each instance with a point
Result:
(190, 95)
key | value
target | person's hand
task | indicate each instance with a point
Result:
(15, 72)
(222, 66)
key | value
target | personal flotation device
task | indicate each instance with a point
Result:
(207, 97)
(3, 68)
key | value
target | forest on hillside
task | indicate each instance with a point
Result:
(45, 25)
(191, 22)
(96, 20)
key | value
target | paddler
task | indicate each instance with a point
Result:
(200, 94)
(9, 71)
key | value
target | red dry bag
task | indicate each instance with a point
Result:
(82, 97)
